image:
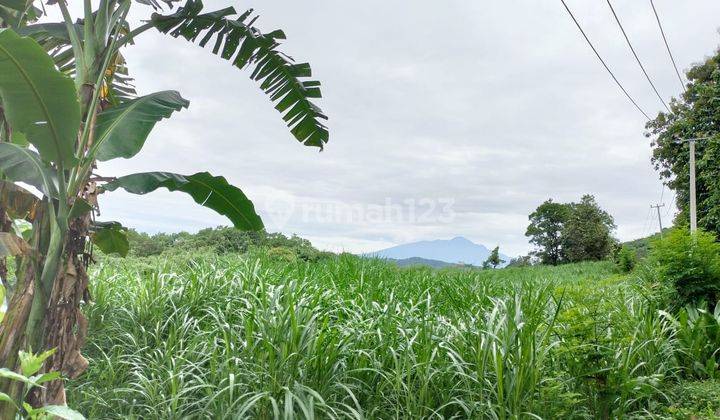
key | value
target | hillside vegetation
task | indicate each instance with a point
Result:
(263, 336)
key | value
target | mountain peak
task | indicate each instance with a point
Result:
(454, 251)
(460, 239)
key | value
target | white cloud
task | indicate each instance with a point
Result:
(497, 105)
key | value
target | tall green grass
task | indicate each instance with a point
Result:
(252, 337)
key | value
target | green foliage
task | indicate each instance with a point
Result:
(112, 239)
(79, 208)
(30, 363)
(626, 259)
(209, 191)
(265, 336)
(38, 100)
(571, 232)
(493, 260)
(279, 76)
(586, 235)
(694, 114)
(690, 264)
(281, 254)
(224, 240)
(123, 129)
(144, 245)
(21, 164)
(30, 378)
(693, 400)
(545, 231)
(521, 261)
(697, 331)
(14, 13)
(641, 246)
(65, 94)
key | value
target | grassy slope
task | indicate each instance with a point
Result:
(233, 336)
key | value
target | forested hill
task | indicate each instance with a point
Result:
(223, 240)
(641, 246)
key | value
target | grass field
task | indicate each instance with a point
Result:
(256, 337)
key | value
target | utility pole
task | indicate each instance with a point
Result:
(657, 207)
(693, 195)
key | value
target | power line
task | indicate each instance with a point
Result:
(603, 61)
(645, 225)
(652, 223)
(647, 76)
(662, 193)
(672, 204)
(667, 46)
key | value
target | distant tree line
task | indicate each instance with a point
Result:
(223, 240)
(521, 261)
(571, 232)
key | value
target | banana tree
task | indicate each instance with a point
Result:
(67, 102)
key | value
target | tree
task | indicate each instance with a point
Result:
(571, 232)
(67, 102)
(545, 230)
(690, 264)
(587, 233)
(696, 113)
(493, 260)
(521, 261)
(626, 258)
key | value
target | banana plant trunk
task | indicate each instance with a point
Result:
(25, 311)
(14, 333)
(65, 327)
(44, 311)
(41, 318)
(46, 316)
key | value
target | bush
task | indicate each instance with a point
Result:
(521, 261)
(280, 253)
(626, 259)
(144, 245)
(691, 265)
(697, 341)
(694, 400)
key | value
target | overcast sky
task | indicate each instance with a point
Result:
(446, 118)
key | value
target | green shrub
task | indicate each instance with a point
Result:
(691, 264)
(697, 341)
(626, 259)
(280, 253)
(694, 400)
(521, 261)
(30, 378)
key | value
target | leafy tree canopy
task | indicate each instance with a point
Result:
(221, 240)
(571, 232)
(587, 234)
(696, 113)
(545, 231)
(493, 260)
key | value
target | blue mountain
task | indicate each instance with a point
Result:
(456, 250)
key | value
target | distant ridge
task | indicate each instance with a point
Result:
(457, 250)
(415, 261)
